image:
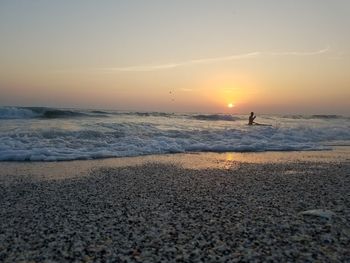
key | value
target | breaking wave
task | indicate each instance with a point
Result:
(215, 117)
(147, 114)
(79, 136)
(43, 112)
(131, 139)
(51, 113)
(316, 116)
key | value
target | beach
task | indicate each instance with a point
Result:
(174, 131)
(229, 207)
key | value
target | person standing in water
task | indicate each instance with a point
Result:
(252, 122)
(251, 118)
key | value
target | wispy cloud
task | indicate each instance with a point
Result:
(299, 53)
(183, 63)
(213, 60)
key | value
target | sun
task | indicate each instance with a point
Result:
(230, 105)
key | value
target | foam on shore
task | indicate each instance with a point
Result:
(45, 134)
(70, 169)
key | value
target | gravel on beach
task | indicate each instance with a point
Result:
(164, 213)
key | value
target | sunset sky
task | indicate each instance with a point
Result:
(186, 55)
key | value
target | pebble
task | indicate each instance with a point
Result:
(165, 213)
(327, 214)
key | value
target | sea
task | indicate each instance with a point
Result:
(57, 134)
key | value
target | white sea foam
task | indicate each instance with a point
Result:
(43, 112)
(215, 117)
(143, 134)
(17, 113)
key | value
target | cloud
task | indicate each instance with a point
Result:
(184, 63)
(213, 60)
(299, 53)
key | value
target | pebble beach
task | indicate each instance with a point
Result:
(295, 211)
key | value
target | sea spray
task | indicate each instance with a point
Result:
(47, 134)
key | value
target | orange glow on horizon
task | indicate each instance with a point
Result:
(227, 91)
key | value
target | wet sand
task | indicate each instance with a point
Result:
(178, 208)
(80, 168)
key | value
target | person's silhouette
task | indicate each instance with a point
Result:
(251, 118)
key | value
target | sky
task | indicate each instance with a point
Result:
(271, 56)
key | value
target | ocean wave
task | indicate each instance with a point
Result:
(17, 113)
(103, 140)
(316, 116)
(215, 117)
(147, 114)
(99, 112)
(324, 116)
(43, 112)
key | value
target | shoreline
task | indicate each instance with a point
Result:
(194, 160)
